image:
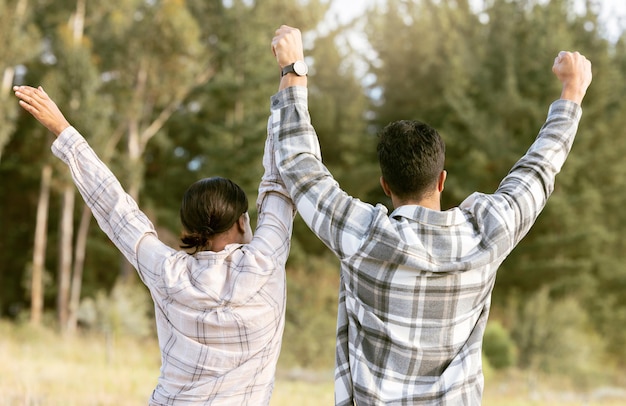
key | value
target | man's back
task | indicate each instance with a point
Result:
(415, 287)
(414, 302)
(416, 284)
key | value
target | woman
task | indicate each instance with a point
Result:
(220, 304)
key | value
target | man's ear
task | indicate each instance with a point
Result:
(442, 180)
(385, 186)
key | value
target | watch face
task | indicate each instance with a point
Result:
(300, 68)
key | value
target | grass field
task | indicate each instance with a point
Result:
(38, 367)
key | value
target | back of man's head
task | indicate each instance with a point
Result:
(411, 156)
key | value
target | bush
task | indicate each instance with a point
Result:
(311, 315)
(498, 346)
(555, 336)
(127, 310)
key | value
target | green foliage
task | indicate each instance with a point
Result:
(202, 71)
(310, 322)
(19, 38)
(555, 336)
(498, 347)
(125, 311)
(337, 107)
(609, 318)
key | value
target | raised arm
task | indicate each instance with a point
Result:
(524, 192)
(275, 207)
(116, 212)
(323, 205)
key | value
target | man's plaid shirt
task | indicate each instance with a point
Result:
(219, 315)
(415, 286)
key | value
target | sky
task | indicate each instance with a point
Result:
(612, 12)
(614, 15)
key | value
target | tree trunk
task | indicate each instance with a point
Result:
(39, 250)
(7, 80)
(65, 255)
(79, 263)
(138, 138)
(78, 22)
(67, 301)
(5, 88)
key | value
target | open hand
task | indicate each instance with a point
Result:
(37, 102)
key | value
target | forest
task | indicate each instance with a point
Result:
(171, 91)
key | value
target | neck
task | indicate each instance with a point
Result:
(219, 241)
(431, 202)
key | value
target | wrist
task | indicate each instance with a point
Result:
(59, 128)
(573, 94)
(291, 79)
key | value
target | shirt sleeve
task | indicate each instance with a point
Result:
(524, 192)
(275, 207)
(115, 211)
(339, 220)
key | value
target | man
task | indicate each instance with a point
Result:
(220, 308)
(415, 287)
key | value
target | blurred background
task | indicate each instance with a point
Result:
(171, 91)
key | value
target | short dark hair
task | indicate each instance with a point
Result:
(210, 206)
(411, 156)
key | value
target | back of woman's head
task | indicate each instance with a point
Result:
(411, 156)
(210, 206)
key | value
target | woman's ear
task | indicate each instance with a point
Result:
(241, 223)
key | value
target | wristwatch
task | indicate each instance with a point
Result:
(298, 67)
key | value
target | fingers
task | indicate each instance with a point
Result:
(30, 96)
(37, 102)
(26, 99)
(559, 57)
(570, 58)
(569, 63)
(574, 72)
(281, 34)
(287, 45)
(31, 99)
(25, 90)
(278, 34)
(283, 29)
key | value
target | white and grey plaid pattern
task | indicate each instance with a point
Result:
(219, 315)
(415, 287)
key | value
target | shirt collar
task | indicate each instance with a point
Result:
(423, 215)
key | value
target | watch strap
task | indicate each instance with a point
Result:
(288, 69)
